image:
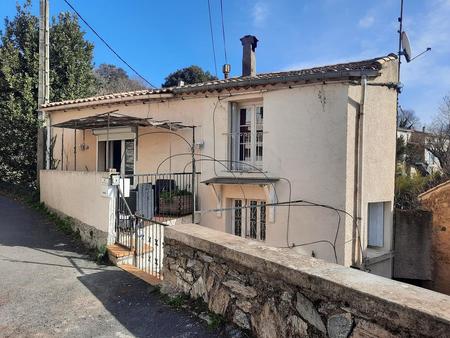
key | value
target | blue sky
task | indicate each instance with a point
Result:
(158, 37)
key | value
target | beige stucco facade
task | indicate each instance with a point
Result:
(309, 144)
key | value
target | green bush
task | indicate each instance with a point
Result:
(409, 187)
(168, 196)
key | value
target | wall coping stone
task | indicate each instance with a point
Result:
(360, 290)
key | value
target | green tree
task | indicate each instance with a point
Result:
(190, 75)
(71, 76)
(71, 66)
(113, 79)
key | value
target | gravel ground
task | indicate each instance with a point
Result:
(49, 288)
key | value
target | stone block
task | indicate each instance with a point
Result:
(198, 289)
(241, 319)
(242, 290)
(340, 326)
(307, 311)
(218, 301)
(365, 329)
(269, 323)
(195, 265)
(244, 305)
(296, 327)
(204, 257)
(218, 270)
(183, 285)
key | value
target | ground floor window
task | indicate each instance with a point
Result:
(249, 219)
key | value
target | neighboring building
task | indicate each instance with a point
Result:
(437, 201)
(328, 133)
(425, 163)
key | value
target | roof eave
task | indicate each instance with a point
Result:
(80, 105)
(252, 82)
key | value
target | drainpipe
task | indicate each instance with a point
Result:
(357, 185)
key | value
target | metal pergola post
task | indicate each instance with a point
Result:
(75, 148)
(194, 197)
(107, 144)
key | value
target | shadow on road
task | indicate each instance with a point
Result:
(27, 239)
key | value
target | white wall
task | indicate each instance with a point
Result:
(77, 194)
(308, 138)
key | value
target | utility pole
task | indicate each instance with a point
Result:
(43, 139)
(400, 31)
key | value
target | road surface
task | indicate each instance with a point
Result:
(49, 288)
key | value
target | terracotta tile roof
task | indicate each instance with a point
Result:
(349, 69)
(123, 95)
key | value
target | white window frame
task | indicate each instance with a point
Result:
(246, 218)
(235, 145)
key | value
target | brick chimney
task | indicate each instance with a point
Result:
(249, 43)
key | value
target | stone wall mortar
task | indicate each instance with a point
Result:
(271, 307)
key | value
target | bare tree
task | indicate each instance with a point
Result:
(407, 119)
(439, 142)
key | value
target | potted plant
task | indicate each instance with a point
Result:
(177, 202)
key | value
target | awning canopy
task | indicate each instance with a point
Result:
(241, 180)
(114, 119)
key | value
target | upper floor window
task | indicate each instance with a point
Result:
(247, 137)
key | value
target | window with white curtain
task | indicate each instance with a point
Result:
(375, 224)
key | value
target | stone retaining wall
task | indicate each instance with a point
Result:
(89, 235)
(437, 200)
(278, 293)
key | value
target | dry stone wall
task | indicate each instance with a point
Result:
(272, 300)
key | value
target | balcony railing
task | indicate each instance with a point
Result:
(162, 196)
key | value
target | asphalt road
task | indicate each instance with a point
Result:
(49, 288)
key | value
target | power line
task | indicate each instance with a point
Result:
(109, 46)
(212, 36)
(223, 32)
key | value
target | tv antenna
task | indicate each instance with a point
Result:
(404, 47)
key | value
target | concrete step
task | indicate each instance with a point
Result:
(148, 278)
(119, 254)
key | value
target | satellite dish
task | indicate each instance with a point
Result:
(406, 47)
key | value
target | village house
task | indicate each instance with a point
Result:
(239, 151)
(424, 162)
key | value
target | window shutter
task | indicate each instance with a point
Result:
(376, 224)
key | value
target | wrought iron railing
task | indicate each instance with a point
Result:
(149, 246)
(152, 202)
(162, 197)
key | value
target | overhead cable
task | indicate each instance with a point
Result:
(212, 37)
(109, 46)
